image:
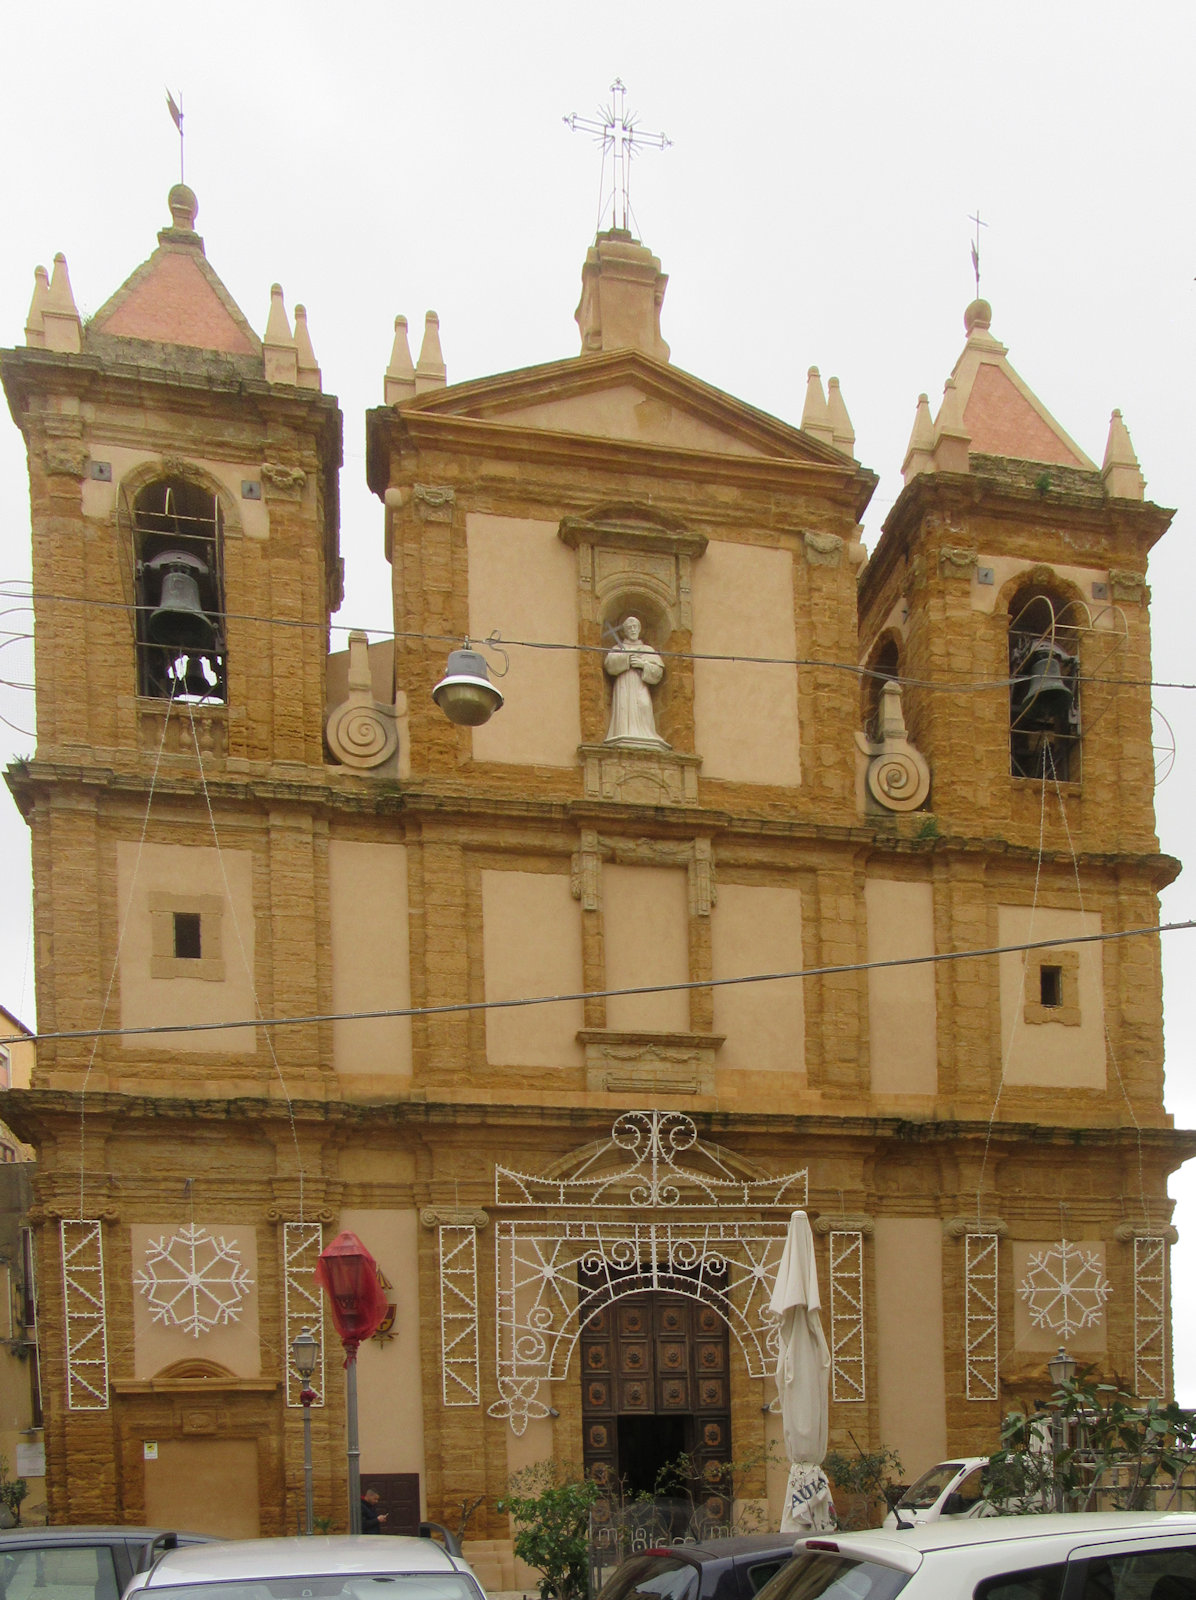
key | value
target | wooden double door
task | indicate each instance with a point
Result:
(656, 1385)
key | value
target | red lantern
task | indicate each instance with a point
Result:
(349, 1274)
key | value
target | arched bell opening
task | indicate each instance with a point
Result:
(884, 664)
(178, 531)
(1044, 687)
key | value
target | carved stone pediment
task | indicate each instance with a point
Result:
(650, 777)
(620, 1062)
(633, 551)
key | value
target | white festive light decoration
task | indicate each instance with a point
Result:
(459, 1378)
(980, 1315)
(554, 1270)
(194, 1280)
(847, 1316)
(303, 1302)
(640, 1166)
(86, 1322)
(1150, 1321)
(1065, 1288)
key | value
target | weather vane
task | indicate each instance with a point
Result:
(617, 132)
(976, 248)
(175, 107)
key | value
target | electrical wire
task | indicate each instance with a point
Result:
(395, 1013)
(495, 639)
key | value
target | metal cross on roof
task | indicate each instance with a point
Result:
(617, 133)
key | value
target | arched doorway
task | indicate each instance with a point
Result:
(655, 1392)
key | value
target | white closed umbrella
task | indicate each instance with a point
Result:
(803, 1372)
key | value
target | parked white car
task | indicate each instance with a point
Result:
(340, 1567)
(952, 1489)
(1127, 1555)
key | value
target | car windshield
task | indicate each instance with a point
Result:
(922, 1495)
(822, 1575)
(653, 1577)
(330, 1586)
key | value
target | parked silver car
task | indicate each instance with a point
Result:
(340, 1567)
(1128, 1555)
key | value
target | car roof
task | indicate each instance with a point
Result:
(280, 1558)
(722, 1549)
(85, 1533)
(904, 1547)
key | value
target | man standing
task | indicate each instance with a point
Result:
(371, 1518)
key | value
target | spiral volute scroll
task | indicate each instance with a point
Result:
(898, 779)
(362, 735)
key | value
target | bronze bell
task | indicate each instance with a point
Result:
(1044, 690)
(180, 622)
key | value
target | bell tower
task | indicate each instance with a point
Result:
(1009, 585)
(183, 485)
(184, 511)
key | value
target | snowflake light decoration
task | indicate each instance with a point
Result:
(1065, 1288)
(194, 1280)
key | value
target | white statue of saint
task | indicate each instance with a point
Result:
(635, 667)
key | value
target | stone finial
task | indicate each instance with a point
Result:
(184, 207)
(1121, 473)
(306, 363)
(430, 371)
(278, 346)
(842, 432)
(35, 332)
(60, 317)
(897, 777)
(622, 291)
(361, 732)
(919, 453)
(399, 381)
(951, 437)
(979, 315)
(815, 416)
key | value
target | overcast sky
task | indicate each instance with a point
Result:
(813, 209)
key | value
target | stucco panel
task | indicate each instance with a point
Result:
(371, 966)
(1051, 1054)
(646, 920)
(389, 1381)
(523, 581)
(757, 928)
(912, 1400)
(745, 715)
(901, 1004)
(531, 944)
(190, 872)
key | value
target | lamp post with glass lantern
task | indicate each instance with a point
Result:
(349, 1275)
(1062, 1369)
(305, 1353)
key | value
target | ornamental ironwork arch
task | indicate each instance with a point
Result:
(652, 1207)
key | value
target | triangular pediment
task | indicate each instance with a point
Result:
(176, 298)
(625, 395)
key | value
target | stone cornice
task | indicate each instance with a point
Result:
(333, 792)
(30, 1109)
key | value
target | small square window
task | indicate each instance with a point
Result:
(1052, 989)
(187, 938)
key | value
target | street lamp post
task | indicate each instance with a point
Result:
(1062, 1369)
(349, 1274)
(305, 1353)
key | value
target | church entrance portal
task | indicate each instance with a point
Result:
(655, 1385)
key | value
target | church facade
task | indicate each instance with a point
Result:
(823, 868)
